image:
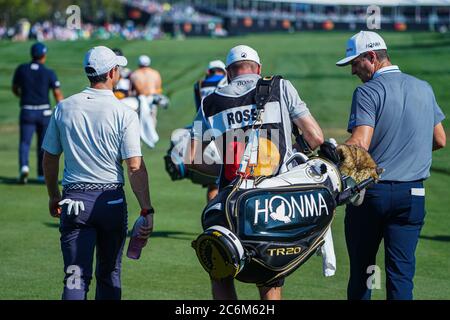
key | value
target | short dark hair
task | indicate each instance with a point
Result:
(96, 79)
(382, 55)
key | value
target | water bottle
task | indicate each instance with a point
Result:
(136, 244)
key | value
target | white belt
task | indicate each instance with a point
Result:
(38, 107)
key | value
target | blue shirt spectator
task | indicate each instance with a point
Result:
(31, 83)
(35, 80)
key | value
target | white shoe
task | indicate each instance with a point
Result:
(24, 171)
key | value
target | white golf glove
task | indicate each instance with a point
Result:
(76, 206)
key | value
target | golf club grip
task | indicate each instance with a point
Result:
(363, 184)
(344, 196)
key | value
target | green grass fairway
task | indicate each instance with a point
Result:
(30, 259)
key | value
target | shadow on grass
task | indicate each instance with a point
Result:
(179, 235)
(9, 180)
(54, 225)
(436, 238)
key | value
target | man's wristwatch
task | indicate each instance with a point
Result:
(145, 212)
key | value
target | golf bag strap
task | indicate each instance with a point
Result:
(250, 156)
(264, 88)
(263, 94)
(300, 140)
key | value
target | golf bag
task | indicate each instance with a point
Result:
(261, 230)
(205, 173)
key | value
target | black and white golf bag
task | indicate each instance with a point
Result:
(259, 231)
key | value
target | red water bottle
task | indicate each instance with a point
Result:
(136, 244)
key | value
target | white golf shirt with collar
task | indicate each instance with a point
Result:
(95, 131)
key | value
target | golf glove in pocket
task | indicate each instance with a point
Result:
(72, 206)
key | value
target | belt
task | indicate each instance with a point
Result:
(37, 107)
(92, 186)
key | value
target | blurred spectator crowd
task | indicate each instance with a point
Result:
(47, 30)
(159, 13)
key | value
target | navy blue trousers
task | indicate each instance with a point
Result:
(101, 227)
(392, 211)
(32, 121)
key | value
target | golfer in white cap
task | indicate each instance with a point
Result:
(231, 110)
(96, 132)
(396, 118)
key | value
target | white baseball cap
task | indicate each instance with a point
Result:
(102, 60)
(361, 42)
(241, 53)
(144, 61)
(216, 64)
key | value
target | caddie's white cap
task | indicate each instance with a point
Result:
(102, 60)
(361, 42)
(241, 53)
(216, 64)
(144, 61)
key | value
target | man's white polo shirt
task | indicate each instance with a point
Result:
(96, 132)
